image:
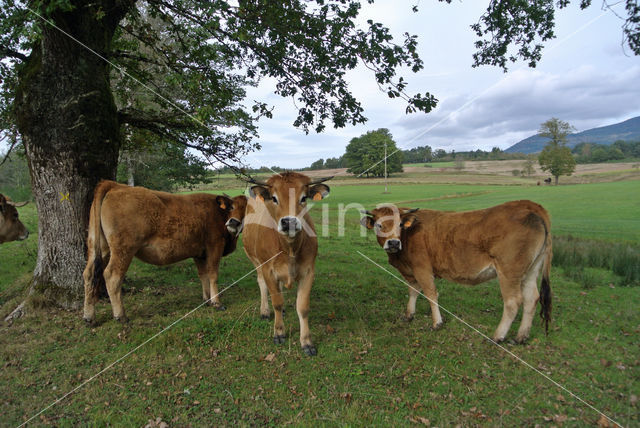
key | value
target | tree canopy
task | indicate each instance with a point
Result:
(556, 157)
(365, 154)
(179, 69)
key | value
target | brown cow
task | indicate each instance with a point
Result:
(510, 241)
(158, 228)
(11, 228)
(280, 240)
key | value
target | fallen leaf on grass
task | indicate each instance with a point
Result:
(270, 357)
(420, 420)
(604, 362)
(559, 419)
(157, 423)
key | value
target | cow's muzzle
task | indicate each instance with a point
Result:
(234, 226)
(289, 225)
(392, 246)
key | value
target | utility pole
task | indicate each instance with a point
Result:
(385, 167)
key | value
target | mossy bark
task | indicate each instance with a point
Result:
(69, 125)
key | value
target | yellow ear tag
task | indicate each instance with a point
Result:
(260, 198)
(407, 223)
(223, 206)
(317, 196)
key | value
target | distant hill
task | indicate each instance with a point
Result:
(629, 130)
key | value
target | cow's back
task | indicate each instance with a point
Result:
(163, 228)
(464, 246)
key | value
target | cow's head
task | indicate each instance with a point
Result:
(286, 196)
(11, 228)
(236, 216)
(388, 222)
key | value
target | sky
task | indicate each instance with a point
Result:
(586, 77)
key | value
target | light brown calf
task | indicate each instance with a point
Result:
(11, 228)
(511, 241)
(280, 241)
(158, 228)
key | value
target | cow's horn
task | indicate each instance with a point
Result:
(367, 212)
(411, 211)
(322, 179)
(254, 181)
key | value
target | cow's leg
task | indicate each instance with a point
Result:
(204, 279)
(277, 301)
(90, 293)
(208, 273)
(302, 306)
(530, 296)
(213, 266)
(411, 305)
(113, 276)
(265, 312)
(512, 297)
(425, 279)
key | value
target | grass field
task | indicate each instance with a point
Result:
(373, 368)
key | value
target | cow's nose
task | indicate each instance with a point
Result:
(234, 225)
(392, 245)
(25, 235)
(289, 224)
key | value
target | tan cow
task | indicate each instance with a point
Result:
(280, 240)
(158, 228)
(510, 241)
(11, 228)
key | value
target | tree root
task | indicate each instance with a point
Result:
(16, 313)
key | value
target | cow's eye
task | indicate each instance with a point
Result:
(274, 199)
(378, 226)
(303, 199)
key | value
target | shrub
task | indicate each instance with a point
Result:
(575, 254)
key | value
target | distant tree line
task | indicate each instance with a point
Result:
(425, 154)
(596, 153)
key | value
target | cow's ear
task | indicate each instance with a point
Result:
(407, 221)
(224, 202)
(367, 222)
(259, 192)
(318, 192)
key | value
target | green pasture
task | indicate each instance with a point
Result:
(373, 368)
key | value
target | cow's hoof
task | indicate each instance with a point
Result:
(279, 339)
(122, 319)
(437, 326)
(89, 322)
(498, 339)
(310, 350)
(521, 340)
(219, 307)
(408, 318)
(265, 317)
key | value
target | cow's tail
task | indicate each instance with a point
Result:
(98, 286)
(545, 286)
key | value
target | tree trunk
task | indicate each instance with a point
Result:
(130, 179)
(556, 177)
(68, 120)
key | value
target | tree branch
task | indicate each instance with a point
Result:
(6, 52)
(154, 123)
